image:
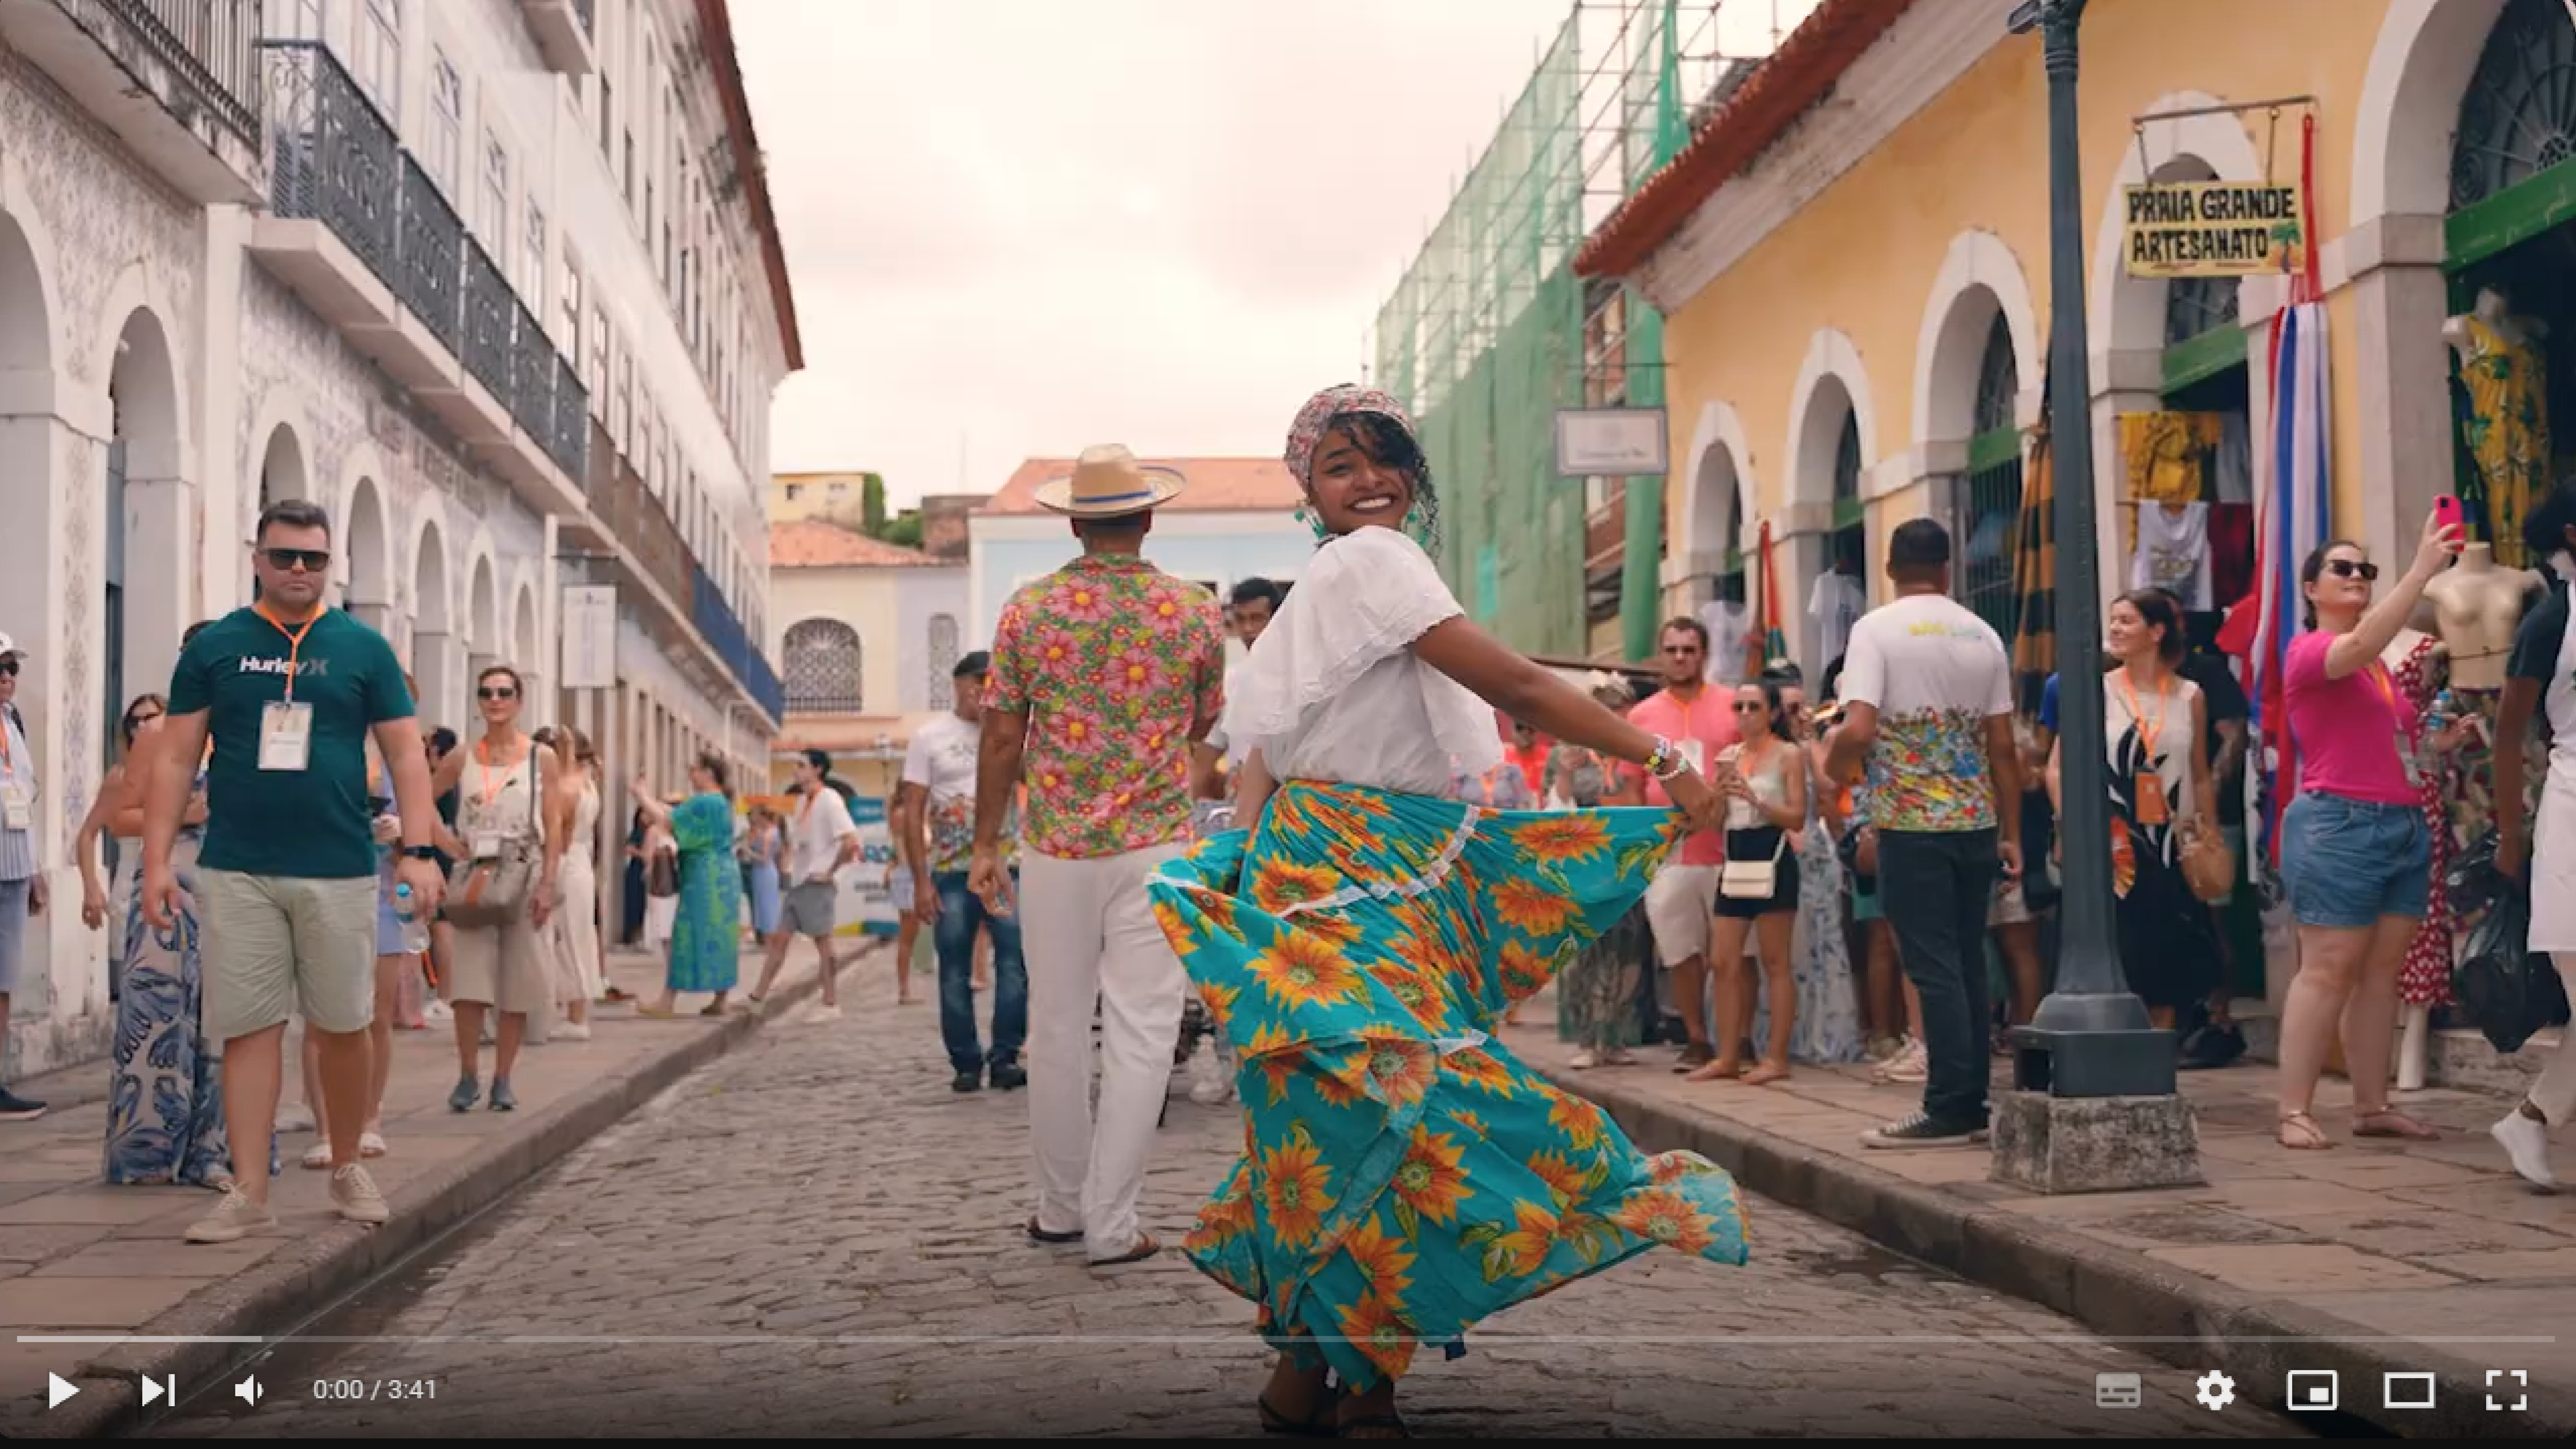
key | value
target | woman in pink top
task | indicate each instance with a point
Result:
(2354, 853)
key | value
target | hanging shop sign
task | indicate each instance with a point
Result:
(2212, 229)
(1609, 442)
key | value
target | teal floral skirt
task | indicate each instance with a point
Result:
(1404, 1175)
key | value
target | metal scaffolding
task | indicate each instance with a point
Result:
(1489, 332)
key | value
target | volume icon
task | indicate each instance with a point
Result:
(167, 1388)
(248, 1391)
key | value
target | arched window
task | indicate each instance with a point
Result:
(2518, 117)
(943, 661)
(822, 668)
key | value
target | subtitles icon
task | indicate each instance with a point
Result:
(2117, 1391)
(2405, 1391)
(248, 1391)
(2521, 1402)
(2312, 1390)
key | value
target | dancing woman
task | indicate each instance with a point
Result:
(1360, 941)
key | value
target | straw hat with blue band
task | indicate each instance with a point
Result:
(1108, 482)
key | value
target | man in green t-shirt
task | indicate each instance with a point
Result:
(287, 691)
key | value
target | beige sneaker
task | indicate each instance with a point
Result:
(233, 1219)
(354, 1193)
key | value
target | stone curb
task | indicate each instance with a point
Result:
(342, 1256)
(2110, 1291)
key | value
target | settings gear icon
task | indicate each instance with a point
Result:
(2217, 1390)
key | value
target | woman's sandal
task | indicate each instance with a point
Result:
(1275, 1422)
(1391, 1421)
(2389, 1122)
(1764, 1074)
(2311, 1137)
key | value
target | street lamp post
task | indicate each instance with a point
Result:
(2091, 1064)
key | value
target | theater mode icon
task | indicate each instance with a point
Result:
(2406, 1391)
(2118, 1391)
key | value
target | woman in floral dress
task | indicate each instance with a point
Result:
(1404, 1175)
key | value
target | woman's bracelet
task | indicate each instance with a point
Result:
(1666, 763)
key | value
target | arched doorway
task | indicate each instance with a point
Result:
(436, 660)
(2510, 259)
(147, 524)
(282, 475)
(484, 643)
(1717, 532)
(943, 661)
(368, 595)
(1832, 438)
(528, 656)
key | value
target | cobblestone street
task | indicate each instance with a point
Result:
(813, 1235)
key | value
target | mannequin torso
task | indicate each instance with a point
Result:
(2476, 607)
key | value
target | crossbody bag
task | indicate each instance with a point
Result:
(1753, 880)
(494, 890)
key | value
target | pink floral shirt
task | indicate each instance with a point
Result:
(1119, 667)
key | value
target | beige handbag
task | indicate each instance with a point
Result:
(1753, 880)
(495, 892)
(2208, 866)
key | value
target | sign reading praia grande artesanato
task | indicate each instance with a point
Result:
(2211, 229)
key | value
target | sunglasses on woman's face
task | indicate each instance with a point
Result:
(2353, 568)
(497, 692)
(1746, 706)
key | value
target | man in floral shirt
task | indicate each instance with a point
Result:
(1105, 673)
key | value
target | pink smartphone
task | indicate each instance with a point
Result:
(2446, 511)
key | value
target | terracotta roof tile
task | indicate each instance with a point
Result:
(1216, 485)
(812, 543)
(1797, 75)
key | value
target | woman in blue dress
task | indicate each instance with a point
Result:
(705, 932)
(761, 849)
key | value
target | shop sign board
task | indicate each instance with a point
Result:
(1609, 442)
(2212, 229)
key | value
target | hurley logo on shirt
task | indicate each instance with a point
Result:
(300, 668)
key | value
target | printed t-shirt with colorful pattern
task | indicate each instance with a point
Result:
(1936, 673)
(1119, 667)
(942, 760)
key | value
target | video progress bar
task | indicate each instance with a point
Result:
(1482, 1338)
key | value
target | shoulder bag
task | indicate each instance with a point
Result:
(2208, 866)
(494, 892)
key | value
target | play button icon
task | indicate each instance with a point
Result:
(57, 1389)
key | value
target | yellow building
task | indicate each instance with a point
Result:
(1853, 257)
(829, 497)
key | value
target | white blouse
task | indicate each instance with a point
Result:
(1332, 692)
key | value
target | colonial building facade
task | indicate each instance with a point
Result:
(494, 281)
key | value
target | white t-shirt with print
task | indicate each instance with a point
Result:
(816, 826)
(1936, 673)
(941, 760)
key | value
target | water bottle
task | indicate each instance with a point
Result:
(415, 932)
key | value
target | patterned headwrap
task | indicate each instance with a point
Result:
(1344, 400)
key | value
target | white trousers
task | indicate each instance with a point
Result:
(1089, 935)
(2555, 1093)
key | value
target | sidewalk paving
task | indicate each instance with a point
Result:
(78, 1256)
(2389, 1247)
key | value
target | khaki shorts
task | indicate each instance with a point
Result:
(279, 946)
(1679, 905)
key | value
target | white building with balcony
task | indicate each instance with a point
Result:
(496, 282)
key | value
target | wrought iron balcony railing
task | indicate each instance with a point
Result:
(333, 158)
(210, 46)
(429, 252)
(716, 620)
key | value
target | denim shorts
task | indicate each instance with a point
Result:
(2349, 862)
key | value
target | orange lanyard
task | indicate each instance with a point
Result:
(483, 762)
(2147, 733)
(294, 642)
(805, 806)
(2386, 686)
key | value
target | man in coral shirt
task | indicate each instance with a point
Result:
(1683, 899)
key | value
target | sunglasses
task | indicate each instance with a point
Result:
(496, 692)
(313, 560)
(9, 667)
(1746, 706)
(138, 721)
(2344, 568)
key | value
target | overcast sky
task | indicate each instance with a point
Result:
(1019, 227)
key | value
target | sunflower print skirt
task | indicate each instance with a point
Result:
(1403, 1175)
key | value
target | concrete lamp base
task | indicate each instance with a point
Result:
(2056, 1144)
